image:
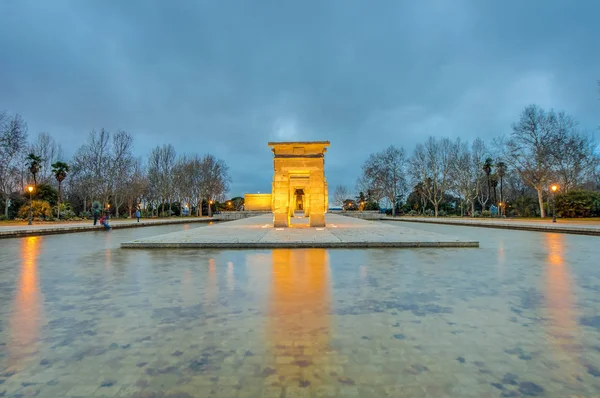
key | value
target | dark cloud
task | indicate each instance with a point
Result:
(226, 77)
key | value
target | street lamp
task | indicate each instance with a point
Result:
(500, 204)
(30, 189)
(554, 188)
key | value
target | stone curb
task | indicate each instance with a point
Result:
(88, 228)
(522, 227)
(296, 245)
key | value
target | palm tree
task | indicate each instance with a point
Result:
(487, 169)
(501, 171)
(60, 170)
(34, 162)
(494, 183)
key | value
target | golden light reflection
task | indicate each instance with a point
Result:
(187, 286)
(230, 276)
(560, 303)
(501, 259)
(108, 259)
(299, 320)
(212, 289)
(363, 272)
(26, 317)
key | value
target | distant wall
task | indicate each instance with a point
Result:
(236, 215)
(257, 202)
(365, 215)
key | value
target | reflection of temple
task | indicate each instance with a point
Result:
(299, 324)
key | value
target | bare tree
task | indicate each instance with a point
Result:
(340, 195)
(91, 167)
(465, 173)
(187, 179)
(136, 188)
(385, 171)
(432, 165)
(529, 149)
(13, 141)
(46, 147)
(121, 160)
(574, 154)
(160, 172)
(215, 180)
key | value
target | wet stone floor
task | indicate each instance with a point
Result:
(517, 317)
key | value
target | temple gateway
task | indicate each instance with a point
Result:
(299, 185)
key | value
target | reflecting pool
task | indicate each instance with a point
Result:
(519, 316)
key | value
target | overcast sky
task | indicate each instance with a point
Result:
(226, 77)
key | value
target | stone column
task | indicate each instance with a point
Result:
(281, 192)
(317, 199)
(306, 201)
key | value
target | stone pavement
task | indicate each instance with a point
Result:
(545, 225)
(14, 231)
(258, 233)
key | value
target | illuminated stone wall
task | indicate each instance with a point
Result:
(257, 202)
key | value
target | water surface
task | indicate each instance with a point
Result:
(80, 317)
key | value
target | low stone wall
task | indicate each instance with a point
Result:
(237, 215)
(363, 215)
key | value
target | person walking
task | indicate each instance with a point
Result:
(96, 214)
(138, 214)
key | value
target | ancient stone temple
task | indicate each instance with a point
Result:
(299, 185)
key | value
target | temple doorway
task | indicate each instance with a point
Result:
(299, 200)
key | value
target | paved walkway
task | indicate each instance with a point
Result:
(13, 231)
(258, 233)
(545, 225)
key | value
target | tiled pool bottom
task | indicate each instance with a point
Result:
(517, 317)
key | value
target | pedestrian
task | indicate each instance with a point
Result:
(138, 214)
(96, 214)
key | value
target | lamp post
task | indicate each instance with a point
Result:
(554, 188)
(30, 189)
(210, 202)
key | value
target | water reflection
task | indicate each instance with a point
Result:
(560, 303)
(299, 322)
(212, 286)
(26, 317)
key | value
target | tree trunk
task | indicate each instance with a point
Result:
(163, 208)
(502, 208)
(435, 207)
(58, 212)
(84, 203)
(489, 190)
(6, 199)
(472, 207)
(393, 208)
(541, 201)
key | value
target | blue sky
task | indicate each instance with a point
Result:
(226, 77)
